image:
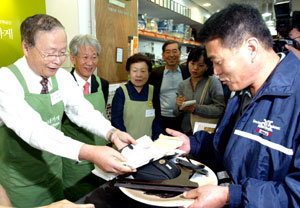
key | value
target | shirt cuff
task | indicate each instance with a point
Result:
(235, 195)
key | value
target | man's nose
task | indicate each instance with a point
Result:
(217, 70)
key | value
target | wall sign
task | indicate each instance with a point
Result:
(119, 55)
(117, 3)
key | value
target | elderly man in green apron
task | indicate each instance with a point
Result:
(77, 177)
(34, 93)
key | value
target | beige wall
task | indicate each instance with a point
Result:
(66, 11)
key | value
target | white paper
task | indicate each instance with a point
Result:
(143, 152)
(204, 126)
(187, 103)
(55, 97)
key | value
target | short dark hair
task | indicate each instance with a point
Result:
(234, 24)
(39, 22)
(195, 54)
(170, 42)
(296, 26)
(137, 58)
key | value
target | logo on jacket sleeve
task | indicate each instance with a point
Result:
(265, 127)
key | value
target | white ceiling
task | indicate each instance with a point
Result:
(220, 4)
(262, 5)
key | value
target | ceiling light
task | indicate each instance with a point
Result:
(207, 4)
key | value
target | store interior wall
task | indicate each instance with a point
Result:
(12, 13)
(66, 12)
(114, 25)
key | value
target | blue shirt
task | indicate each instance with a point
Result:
(118, 107)
(168, 90)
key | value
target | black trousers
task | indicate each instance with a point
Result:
(171, 123)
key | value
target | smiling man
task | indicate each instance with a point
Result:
(167, 79)
(34, 93)
(256, 144)
(78, 179)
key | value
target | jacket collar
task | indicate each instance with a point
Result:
(280, 82)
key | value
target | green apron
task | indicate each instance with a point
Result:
(135, 120)
(77, 177)
(30, 176)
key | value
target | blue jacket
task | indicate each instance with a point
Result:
(261, 153)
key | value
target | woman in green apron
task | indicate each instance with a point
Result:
(77, 177)
(135, 106)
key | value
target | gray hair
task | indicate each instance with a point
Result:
(39, 22)
(83, 40)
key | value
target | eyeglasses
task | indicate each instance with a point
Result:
(52, 56)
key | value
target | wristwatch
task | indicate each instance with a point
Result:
(112, 131)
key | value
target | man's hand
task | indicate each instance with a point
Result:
(190, 109)
(180, 99)
(291, 48)
(186, 147)
(4, 200)
(106, 158)
(208, 196)
(67, 204)
(122, 139)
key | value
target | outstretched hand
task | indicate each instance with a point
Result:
(106, 158)
(67, 204)
(186, 141)
(122, 139)
(208, 196)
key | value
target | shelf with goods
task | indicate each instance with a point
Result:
(163, 37)
(154, 10)
(151, 39)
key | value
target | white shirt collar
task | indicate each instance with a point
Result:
(30, 76)
(81, 82)
(169, 71)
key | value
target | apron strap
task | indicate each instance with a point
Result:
(150, 93)
(125, 92)
(14, 69)
(99, 82)
(54, 84)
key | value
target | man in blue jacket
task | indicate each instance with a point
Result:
(257, 141)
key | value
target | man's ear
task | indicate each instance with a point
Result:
(73, 59)
(25, 47)
(252, 47)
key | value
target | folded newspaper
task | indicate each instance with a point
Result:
(187, 103)
(145, 151)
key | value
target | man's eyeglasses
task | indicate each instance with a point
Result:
(51, 56)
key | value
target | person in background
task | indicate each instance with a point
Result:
(257, 141)
(34, 94)
(167, 79)
(135, 106)
(78, 179)
(295, 35)
(205, 89)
